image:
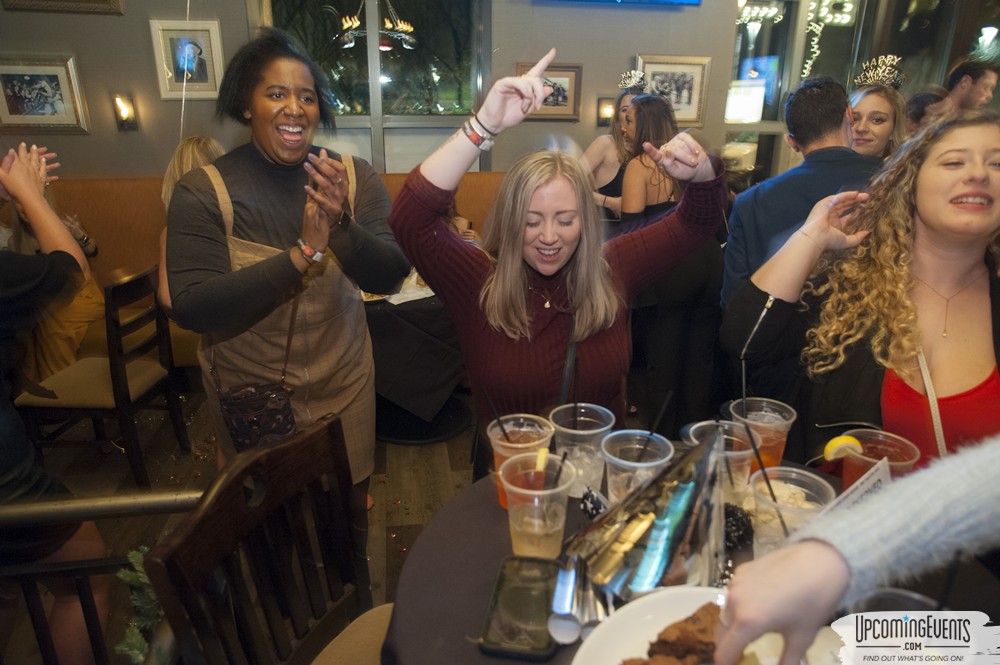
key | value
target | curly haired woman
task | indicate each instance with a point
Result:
(892, 298)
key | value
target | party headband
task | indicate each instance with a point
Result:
(633, 79)
(881, 71)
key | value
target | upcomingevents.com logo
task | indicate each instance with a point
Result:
(918, 637)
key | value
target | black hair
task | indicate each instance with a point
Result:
(916, 106)
(974, 69)
(814, 109)
(244, 72)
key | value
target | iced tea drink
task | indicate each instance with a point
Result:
(769, 420)
(525, 433)
(876, 444)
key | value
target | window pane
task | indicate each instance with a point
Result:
(427, 71)
(334, 35)
(762, 36)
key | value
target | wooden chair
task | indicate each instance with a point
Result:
(114, 386)
(265, 570)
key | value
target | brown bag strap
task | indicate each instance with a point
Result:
(226, 208)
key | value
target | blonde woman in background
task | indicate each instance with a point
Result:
(192, 153)
(879, 120)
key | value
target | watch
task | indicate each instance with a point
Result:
(311, 254)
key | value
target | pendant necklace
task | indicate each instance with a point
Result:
(545, 295)
(947, 300)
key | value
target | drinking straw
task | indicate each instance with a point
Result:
(496, 415)
(562, 461)
(719, 443)
(576, 392)
(763, 473)
(656, 424)
(949, 581)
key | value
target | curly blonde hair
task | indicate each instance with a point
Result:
(592, 294)
(865, 290)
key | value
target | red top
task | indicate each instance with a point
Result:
(966, 417)
(526, 375)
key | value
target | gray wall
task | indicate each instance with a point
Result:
(115, 54)
(605, 39)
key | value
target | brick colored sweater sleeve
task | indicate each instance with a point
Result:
(918, 522)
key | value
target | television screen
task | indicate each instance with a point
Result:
(745, 102)
(762, 68)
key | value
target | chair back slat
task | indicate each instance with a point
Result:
(283, 508)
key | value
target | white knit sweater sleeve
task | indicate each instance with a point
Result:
(917, 522)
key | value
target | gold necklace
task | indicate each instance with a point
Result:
(947, 300)
(545, 295)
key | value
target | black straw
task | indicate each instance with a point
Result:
(496, 415)
(562, 461)
(576, 392)
(763, 473)
(656, 424)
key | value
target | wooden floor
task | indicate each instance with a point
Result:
(409, 484)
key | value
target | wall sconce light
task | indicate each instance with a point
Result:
(605, 111)
(125, 114)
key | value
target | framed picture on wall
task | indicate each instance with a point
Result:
(683, 80)
(41, 95)
(72, 6)
(564, 102)
(188, 58)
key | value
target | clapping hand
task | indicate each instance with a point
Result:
(21, 171)
(512, 98)
(682, 158)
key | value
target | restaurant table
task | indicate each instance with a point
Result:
(418, 363)
(444, 588)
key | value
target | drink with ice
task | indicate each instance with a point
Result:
(537, 490)
(769, 420)
(800, 494)
(579, 430)
(524, 433)
(876, 444)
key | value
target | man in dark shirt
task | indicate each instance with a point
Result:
(818, 119)
(970, 84)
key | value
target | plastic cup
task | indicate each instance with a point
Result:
(527, 433)
(891, 599)
(536, 503)
(876, 444)
(633, 456)
(801, 496)
(579, 430)
(770, 421)
(734, 470)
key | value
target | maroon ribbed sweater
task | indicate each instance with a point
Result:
(522, 376)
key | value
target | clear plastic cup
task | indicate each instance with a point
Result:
(801, 495)
(536, 503)
(734, 470)
(579, 430)
(632, 457)
(891, 599)
(527, 433)
(876, 444)
(770, 421)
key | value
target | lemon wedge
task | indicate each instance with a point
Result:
(839, 446)
(543, 454)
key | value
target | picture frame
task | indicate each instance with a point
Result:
(564, 102)
(188, 57)
(69, 6)
(683, 80)
(41, 95)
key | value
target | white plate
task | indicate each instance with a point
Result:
(628, 632)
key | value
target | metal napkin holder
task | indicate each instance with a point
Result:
(669, 531)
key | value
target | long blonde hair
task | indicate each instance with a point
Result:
(866, 289)
(592, 295)
(191, 153)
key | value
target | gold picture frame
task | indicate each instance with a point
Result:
(564, 102)
(41, 95)
(682, 80)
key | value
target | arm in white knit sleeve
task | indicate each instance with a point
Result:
(886, 536)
